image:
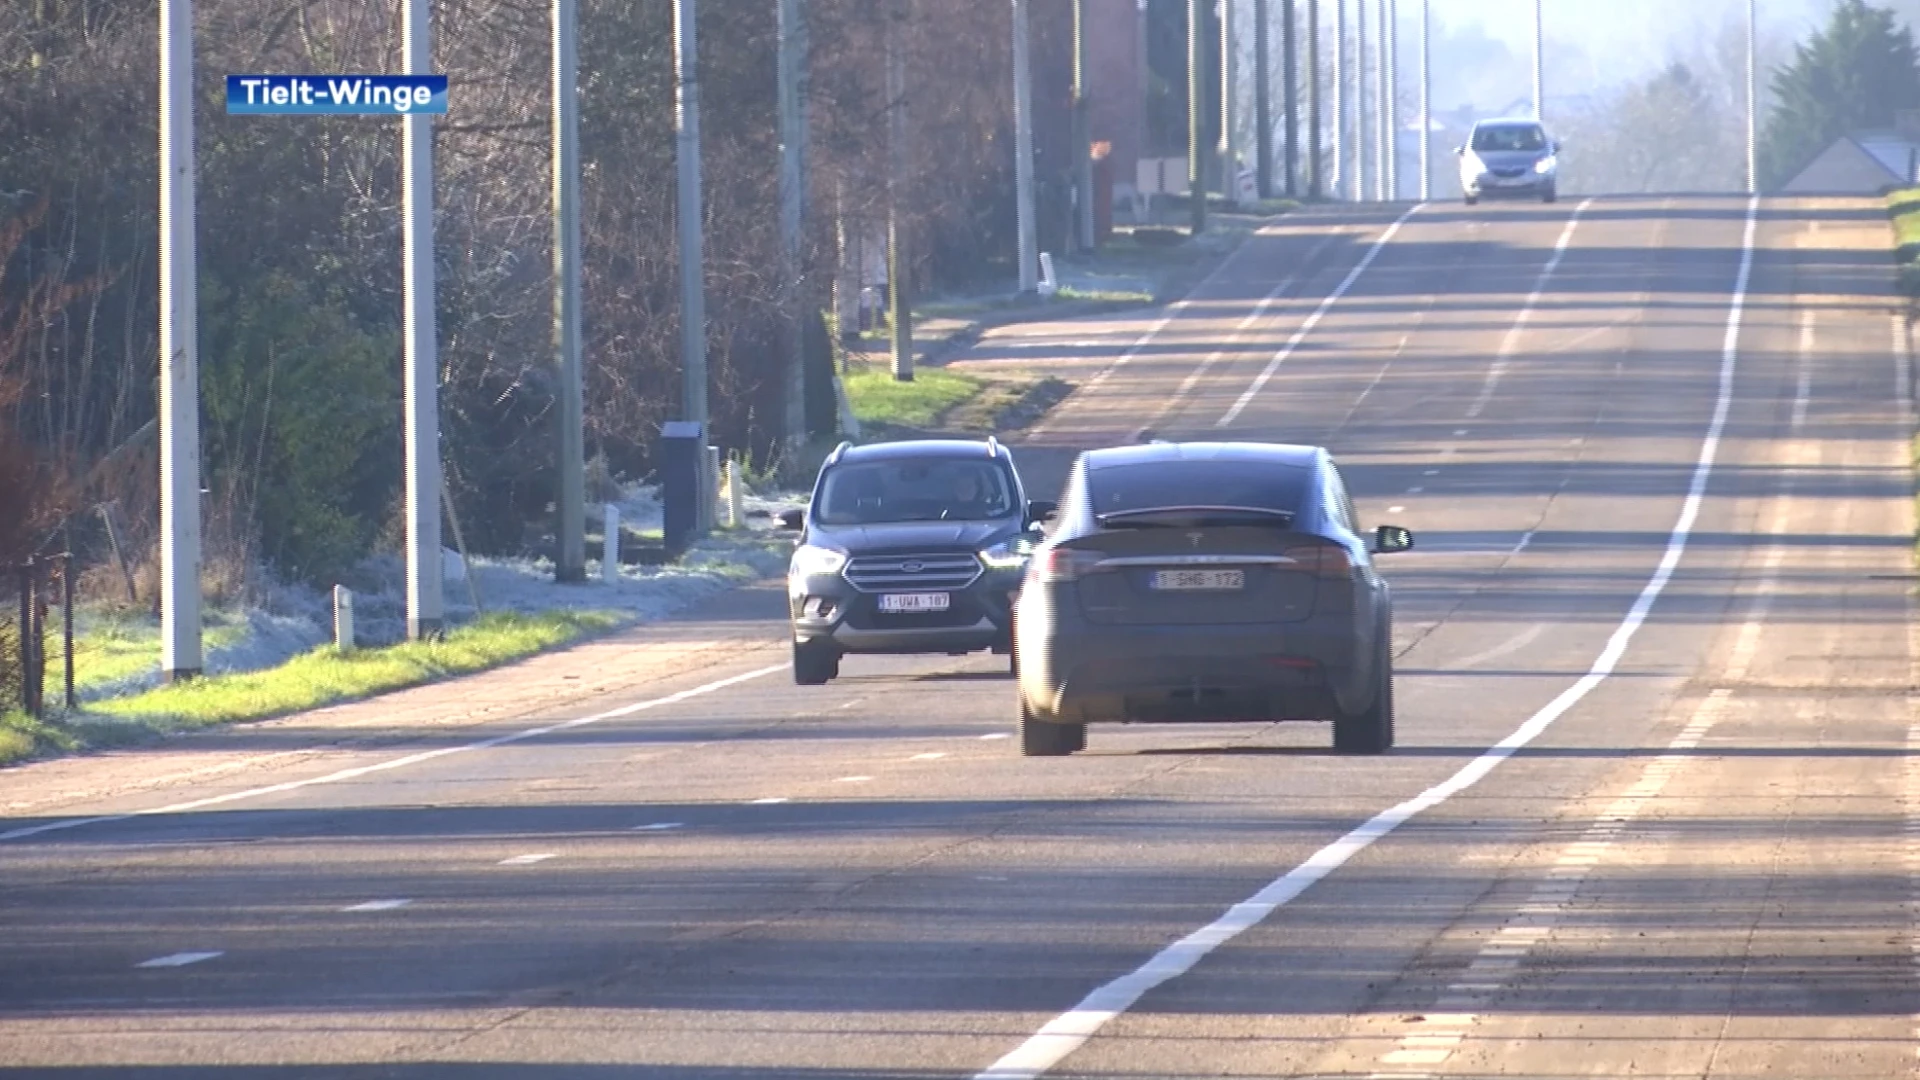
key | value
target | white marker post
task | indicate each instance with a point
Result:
(610, 545)
(180, 643)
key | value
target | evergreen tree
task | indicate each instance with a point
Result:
(1857, 73)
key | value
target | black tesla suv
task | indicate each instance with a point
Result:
(1206, 581)
(908, 547)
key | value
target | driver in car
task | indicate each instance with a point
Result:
(968, 496)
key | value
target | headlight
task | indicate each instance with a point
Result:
(1008, 554)
(1545, 165)
(809, 560)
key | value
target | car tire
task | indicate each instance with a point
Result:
(1370, 731)
(815, 663)
(1041, 739)
(1473, 200)
(1550, 195)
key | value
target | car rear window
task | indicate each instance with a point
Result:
(1161, 485)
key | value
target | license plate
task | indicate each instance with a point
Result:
(902, 603)
(1199, 580)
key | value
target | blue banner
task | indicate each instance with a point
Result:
(336, 95)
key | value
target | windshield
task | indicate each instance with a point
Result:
(1509, 137)
(915, 489)
(1126, 489)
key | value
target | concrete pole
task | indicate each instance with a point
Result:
(1339, 173)
(1383, 106)
(180, 656)
(899, 295)
(1229, 142)
(1197, 113)
(1539, 63)
(1082, 131)
(1314, 111)
(1029, 254)
(791, 61)
(693, 300)
(1426, 100)
(1393, 99)
(1362, 115)
(1753, 98)
(425, 607)
(1290, 104)
(1262, 106)
(570, 555)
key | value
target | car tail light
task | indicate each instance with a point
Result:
(1051, 565)
(1323, 560)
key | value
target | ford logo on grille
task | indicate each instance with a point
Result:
(912, 566)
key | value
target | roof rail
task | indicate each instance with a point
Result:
(839, 452)
(993, 447)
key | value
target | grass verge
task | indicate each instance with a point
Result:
(878, 399)
(318, 678)
(1903, 206)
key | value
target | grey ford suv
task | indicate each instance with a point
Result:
(908, 547)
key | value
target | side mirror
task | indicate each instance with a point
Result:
(1039, 510)
(1388, 539)
(1460, 151)
(793, 519)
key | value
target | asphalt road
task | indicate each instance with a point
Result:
(1655, 808)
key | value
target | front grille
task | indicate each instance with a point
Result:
(913, 573)
(1509, 173)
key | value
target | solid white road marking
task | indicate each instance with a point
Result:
(1266, 374)
(777, 800)
(1511, 341)
(527, 860)
(659, 826)
(853, 779)
(927, 757)
(996, 735)
(378, 905)
(1396, 509)
(396, 763)
(179, 959)
(1070, 1030)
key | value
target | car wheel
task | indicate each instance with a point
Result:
(1041, 739)
(1550, 195)
(1370, 731)
(1473, 200)
(815, 662)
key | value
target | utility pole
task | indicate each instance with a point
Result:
(1383, 94)
(792, 61)
(1539, 68)
(425, 610)
(1361, 164)
(899, 297)
(1262, 107)
(1753, 98)
(1029, 253)
(1426, 100)
(570, 555)
(1340, 173)
(1196, 113)
(1229, 142)
(1314, 117)
(1082, 131)
(1290, 104)
(1393, 99)
(180, 656)
(693, 297)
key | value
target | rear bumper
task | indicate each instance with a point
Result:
(1100, 674)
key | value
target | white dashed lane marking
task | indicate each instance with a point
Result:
(527, 860)
(179, 959)
(378, 905)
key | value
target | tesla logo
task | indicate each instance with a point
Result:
(913, 567)
(1193, 539)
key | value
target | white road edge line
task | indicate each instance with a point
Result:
(377, 905)
(179, 959)
(528, 860)
(395, 763)
(1511, 341)
(1070, 1030)
(1266, 374)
